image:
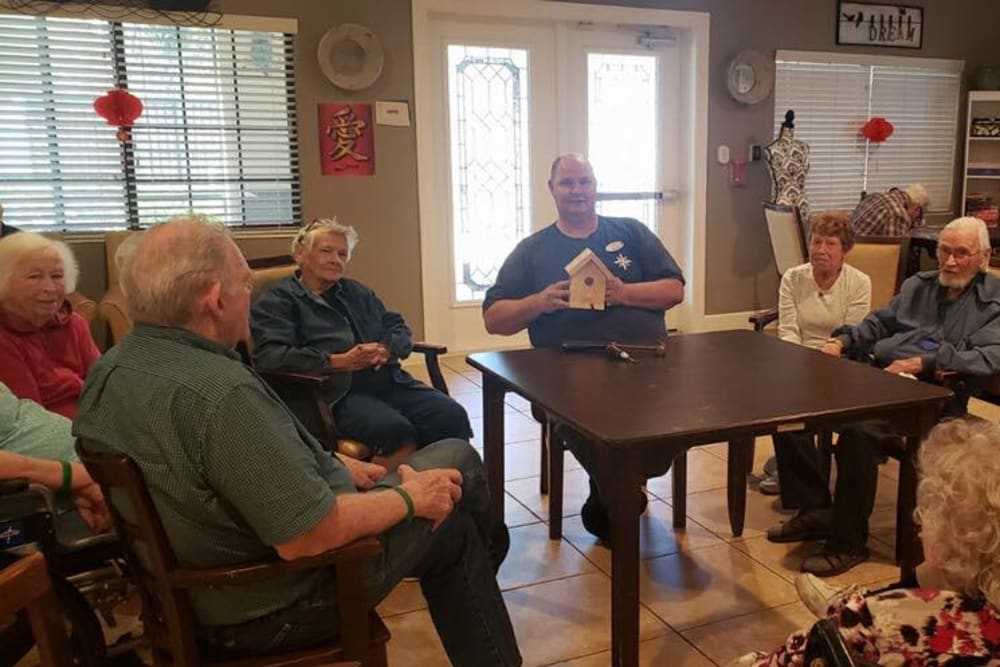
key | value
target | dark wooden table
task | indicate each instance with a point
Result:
(711, 387)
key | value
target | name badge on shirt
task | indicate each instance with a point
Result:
(929, 344)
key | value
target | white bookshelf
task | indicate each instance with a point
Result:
(981, 152)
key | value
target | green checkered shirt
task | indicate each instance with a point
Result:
(231, 472)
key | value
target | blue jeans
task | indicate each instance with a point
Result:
(456, 565)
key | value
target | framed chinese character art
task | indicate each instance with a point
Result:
(880, 25)
(346, 139)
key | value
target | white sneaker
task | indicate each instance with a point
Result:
(816, 594)
(745, 660)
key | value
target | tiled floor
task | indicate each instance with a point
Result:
(705, 596)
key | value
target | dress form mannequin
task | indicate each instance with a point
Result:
(788, 162)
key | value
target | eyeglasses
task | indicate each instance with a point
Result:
(960, 253)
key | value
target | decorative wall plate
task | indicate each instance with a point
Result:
(350, 56)
(750, 77)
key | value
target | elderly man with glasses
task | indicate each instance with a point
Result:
(319, 320)
(948, 319)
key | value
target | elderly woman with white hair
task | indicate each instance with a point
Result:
(950, 615)
(45, 347)
(318, 320)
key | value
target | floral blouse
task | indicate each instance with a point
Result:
(907, 628)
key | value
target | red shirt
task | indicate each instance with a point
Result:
(47, 364)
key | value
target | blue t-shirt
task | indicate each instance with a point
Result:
(627, 248)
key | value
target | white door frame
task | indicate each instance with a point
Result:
(693, 30)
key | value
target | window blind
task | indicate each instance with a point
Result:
(833, 97)
(217, 134)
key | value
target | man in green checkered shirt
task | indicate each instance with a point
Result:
(235, 477)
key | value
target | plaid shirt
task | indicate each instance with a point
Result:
(882, 214)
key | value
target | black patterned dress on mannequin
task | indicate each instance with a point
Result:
(788, 163)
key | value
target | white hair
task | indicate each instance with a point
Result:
(958, 505)
(918, 195)
(15, 246)
(173, 263)
(306, 237)
(971, 224)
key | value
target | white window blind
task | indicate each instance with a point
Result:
(217, 134)
(833, 97)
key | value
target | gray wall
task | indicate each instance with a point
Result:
(740, 274)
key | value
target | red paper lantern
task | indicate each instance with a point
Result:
(119, 107)
(877, 130)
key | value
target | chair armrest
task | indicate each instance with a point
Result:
(431, 353)
(255, 572)
(430, 348)
(762, 319)
(947, 379)
(307, 379)
(13, 485)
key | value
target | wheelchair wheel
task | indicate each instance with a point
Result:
(85, 633)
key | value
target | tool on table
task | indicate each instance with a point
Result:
(618, 351)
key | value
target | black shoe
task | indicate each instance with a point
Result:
(827, 563)
(596, 520)
(806, 525)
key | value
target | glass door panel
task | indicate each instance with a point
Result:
(489, 101)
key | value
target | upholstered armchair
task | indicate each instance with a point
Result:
(113, 306)
(315, 389)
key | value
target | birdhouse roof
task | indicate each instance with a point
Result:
(586, 257)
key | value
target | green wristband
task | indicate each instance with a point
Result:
(407, 499)
(67, 479)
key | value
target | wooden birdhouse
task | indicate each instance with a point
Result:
(587, 280)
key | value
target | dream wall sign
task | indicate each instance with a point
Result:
(880, 25)
(346, 139)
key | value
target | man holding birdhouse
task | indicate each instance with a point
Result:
(550, 285)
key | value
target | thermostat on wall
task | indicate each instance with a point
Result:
(392, 113)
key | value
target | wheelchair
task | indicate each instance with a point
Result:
(87, 571)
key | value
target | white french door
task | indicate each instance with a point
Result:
(626, 83)
(499, 99)
(494, 127)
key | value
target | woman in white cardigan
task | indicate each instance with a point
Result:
(814, 299)
(817, 297)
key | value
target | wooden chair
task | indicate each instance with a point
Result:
(164, 585)
(787, 234)
(317, 390)
(25, 585)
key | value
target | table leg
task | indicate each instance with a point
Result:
(909, 550)
(555, 468)
(493, 441)
(623, 472)
(678, 489)
(740, 453)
